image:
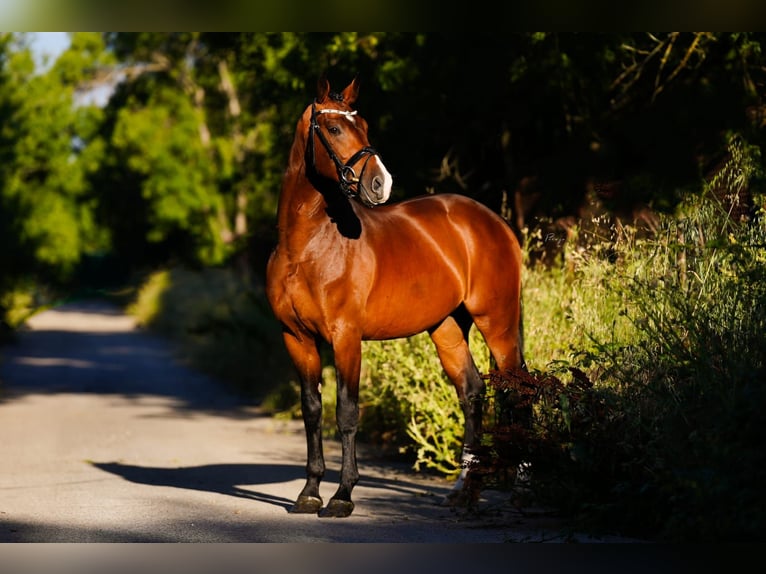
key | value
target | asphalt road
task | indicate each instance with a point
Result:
(106, 437)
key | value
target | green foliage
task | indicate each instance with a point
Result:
(160, 142)
(663, 431)
(691, 375)
(85, 56)
(570, 304)
(47, 220)
(19, 303)
(40, 182)
(193, 141)
(407, 402)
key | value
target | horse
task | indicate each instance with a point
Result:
(347, 268)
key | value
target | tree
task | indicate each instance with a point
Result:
(47, 220)
(185, 161)
(196, 138)
(43, 183)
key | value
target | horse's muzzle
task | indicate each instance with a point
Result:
(375, 183)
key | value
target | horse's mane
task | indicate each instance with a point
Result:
(338, 206)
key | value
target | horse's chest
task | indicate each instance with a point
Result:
(309, 296)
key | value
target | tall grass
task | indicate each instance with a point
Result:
(656, 429)
(409, 404)
(690, 379)
(648, 362)
(573, 303)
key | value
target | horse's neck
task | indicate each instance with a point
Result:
(304, 211)
(296, 197)
(302, 208)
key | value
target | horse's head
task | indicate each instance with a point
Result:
(338, 147)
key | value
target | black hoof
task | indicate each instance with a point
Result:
(306, 505)
(337, 509)
(460, 498)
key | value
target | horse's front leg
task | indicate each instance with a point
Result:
(348, 361)
(305, 355)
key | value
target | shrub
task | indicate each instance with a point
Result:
(692, 375)
(409, 404)
(662, 437)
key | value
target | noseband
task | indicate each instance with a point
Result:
(347, 179)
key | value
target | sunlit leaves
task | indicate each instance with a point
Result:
(42, 181)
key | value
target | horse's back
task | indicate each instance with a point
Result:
(433, 253)
(491, 254)
(486, 236)
(492, 282)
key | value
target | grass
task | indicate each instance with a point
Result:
(646, 418)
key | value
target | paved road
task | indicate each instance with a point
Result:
(104, 437)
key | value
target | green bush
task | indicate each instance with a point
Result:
(692, 378)
(408, 403)
(655, 429)
(19, 302)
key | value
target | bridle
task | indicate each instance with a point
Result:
(348, 181)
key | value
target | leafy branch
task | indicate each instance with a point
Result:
(657, 60)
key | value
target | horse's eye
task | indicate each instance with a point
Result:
(334, 130)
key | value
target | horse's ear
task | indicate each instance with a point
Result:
(351, 91)
(323, 88)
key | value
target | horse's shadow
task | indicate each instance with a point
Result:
(226, 478)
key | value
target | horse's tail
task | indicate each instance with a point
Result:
(523, 363)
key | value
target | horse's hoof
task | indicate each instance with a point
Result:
(461, 498)
(306, 505)
(337, 509)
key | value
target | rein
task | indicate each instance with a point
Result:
(347, 177)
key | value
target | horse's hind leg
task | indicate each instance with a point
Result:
(451, 340)
(502, 331)
(501, 328)
(305, 356)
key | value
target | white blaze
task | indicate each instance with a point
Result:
(388, 181)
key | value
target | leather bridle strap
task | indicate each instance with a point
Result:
(347, 177)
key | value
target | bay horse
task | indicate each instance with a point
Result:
(347, 268)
